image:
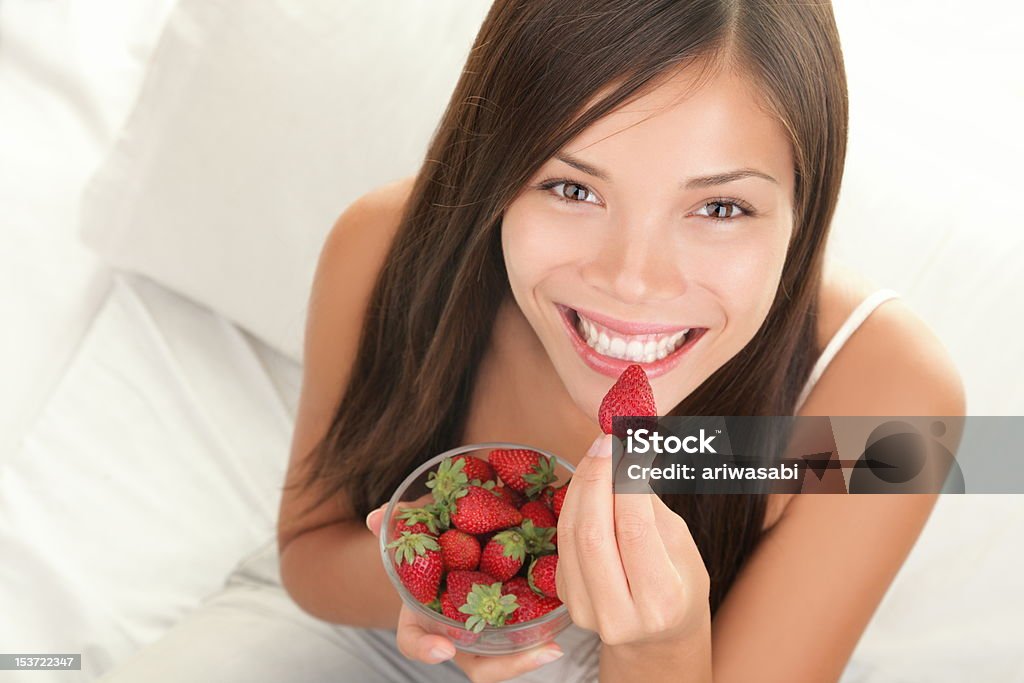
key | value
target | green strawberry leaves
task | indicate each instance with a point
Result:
(409, 546)
(543, 474)
(487, 606)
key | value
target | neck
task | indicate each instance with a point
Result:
(520, 397)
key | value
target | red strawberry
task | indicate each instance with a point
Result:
(504, 554)
(541, 575)
(450, 610)
(418, 564)
(510, 496)
(558, 498)
(631, 395)
(459, 550)
(539, 513)
(459, 583)
(530, 604)
(480, 511)
(478, 596)
(545, 495)
(517, 586)
(523, 470)
(476, 468)
(422, 520)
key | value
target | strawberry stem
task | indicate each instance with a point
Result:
(537, 538)
(409, 546)
(487, 606)
(542, 475)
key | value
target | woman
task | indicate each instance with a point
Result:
(607, 170)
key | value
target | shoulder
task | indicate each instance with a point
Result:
(350, 260)
(370, 221)
(846, 548)
(351, 257)
(892, 364)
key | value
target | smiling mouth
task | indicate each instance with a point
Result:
(634, 348)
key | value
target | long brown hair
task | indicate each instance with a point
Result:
(534, 66)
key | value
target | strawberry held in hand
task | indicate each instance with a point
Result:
(631, 395)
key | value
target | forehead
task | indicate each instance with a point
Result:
(689, 125)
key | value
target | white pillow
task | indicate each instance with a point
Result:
(257, 124)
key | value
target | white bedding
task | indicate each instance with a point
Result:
(69, 71)
(155, 465)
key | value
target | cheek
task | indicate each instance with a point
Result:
(747, 279)
(533, 247)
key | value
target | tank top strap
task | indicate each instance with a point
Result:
(849, 326)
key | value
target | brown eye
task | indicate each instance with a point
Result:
(575, 192)
(569, 192)
(722, 210)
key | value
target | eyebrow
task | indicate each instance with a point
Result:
(689, 184)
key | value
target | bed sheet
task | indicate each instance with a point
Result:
(152, 469)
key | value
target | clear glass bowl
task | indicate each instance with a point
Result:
(492, 640)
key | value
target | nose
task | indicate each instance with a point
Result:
(635, 269)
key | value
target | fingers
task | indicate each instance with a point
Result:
(415, 643)
(680, 546)
(568, 579)
(650, 573)
(374, 518)
(590, 533)
(494, 669)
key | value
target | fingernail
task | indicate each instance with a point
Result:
(594, 446)
(440, 654)
(372, 516)
(548, 656)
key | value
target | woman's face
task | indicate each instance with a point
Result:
(673, 213)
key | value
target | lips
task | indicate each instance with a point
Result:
(603, 359)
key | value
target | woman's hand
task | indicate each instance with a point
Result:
(628, 567)
(417, 644)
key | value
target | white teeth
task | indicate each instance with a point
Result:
(640, 349)
(618, 348)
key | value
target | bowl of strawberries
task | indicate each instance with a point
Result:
(470, 542)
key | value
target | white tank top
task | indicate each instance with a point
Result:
(849, 326)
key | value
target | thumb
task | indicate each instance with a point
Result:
(373, 520)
